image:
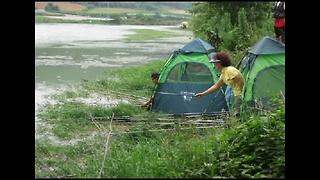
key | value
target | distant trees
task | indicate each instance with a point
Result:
(142, 5)
(51, 8)
(232, 25)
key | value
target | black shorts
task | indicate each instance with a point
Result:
(279, 30)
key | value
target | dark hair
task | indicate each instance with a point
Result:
(224, 58)
(155, 75)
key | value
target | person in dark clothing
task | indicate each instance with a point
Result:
(279, 21)
(155, 80)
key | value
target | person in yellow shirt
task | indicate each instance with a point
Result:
(230, 76)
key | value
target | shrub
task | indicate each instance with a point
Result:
(51, 8)
(254, 149)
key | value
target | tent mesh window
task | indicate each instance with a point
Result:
(269, 82)
(190, 72)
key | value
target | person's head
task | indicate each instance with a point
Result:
(155, 77)
(220, 60)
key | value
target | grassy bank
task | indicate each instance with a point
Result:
(148, 34)
(70, 118)
(120, 20)
(109, 11)
(133, 17)
(253, 149)
(43, 19)
(133, 80)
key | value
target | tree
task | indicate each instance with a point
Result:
(231, 25)
(51, 8)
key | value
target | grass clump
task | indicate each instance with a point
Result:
(148, 34)
(250, 148)
(71, 119)
(80, 160)
(133, 80)
(253, 149)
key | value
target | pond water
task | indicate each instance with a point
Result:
(66, 54)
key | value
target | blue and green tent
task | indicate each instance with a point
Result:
(263, 68)
(186, 73)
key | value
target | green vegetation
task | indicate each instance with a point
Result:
(130, 11)
(153, 19)
(134, 80)
(133, 19)
(52, 8)
(113, 11)
(72, 119)
(148, 34)
(232, 26)
(80, 160)
(48, 14)
(150, 6)
(252, 149)
(122, 15)
(43, 19)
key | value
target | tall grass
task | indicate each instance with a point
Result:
(72, 119)
(148, 34)
(43, 19)
(251, 149)
(80, 160)
(113, 11)
(133, 80)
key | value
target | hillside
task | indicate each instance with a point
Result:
(134, 13)
(142, 5)
(171, 8)
(63, 6)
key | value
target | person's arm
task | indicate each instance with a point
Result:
(211, 89)
(146, 104)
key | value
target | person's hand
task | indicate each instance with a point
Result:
(199, 94)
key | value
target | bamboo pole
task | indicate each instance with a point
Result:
(106, 147)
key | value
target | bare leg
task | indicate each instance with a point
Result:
(283, 37)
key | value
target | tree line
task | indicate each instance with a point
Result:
(232, 26)
(141, 5)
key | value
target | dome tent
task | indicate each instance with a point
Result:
(185, 73)
(264, 70)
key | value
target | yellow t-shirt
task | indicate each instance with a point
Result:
(233, 78)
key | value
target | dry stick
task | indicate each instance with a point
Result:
(100, 129)
(127, 95)
(260, 109)
(173, 121)
(142, 117)
(155, 130)
(70, 175)
(135, 96)
(106, 147)
(92, 119)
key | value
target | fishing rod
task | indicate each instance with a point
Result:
(187, 96)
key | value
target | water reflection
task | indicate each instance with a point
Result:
(66, 54)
